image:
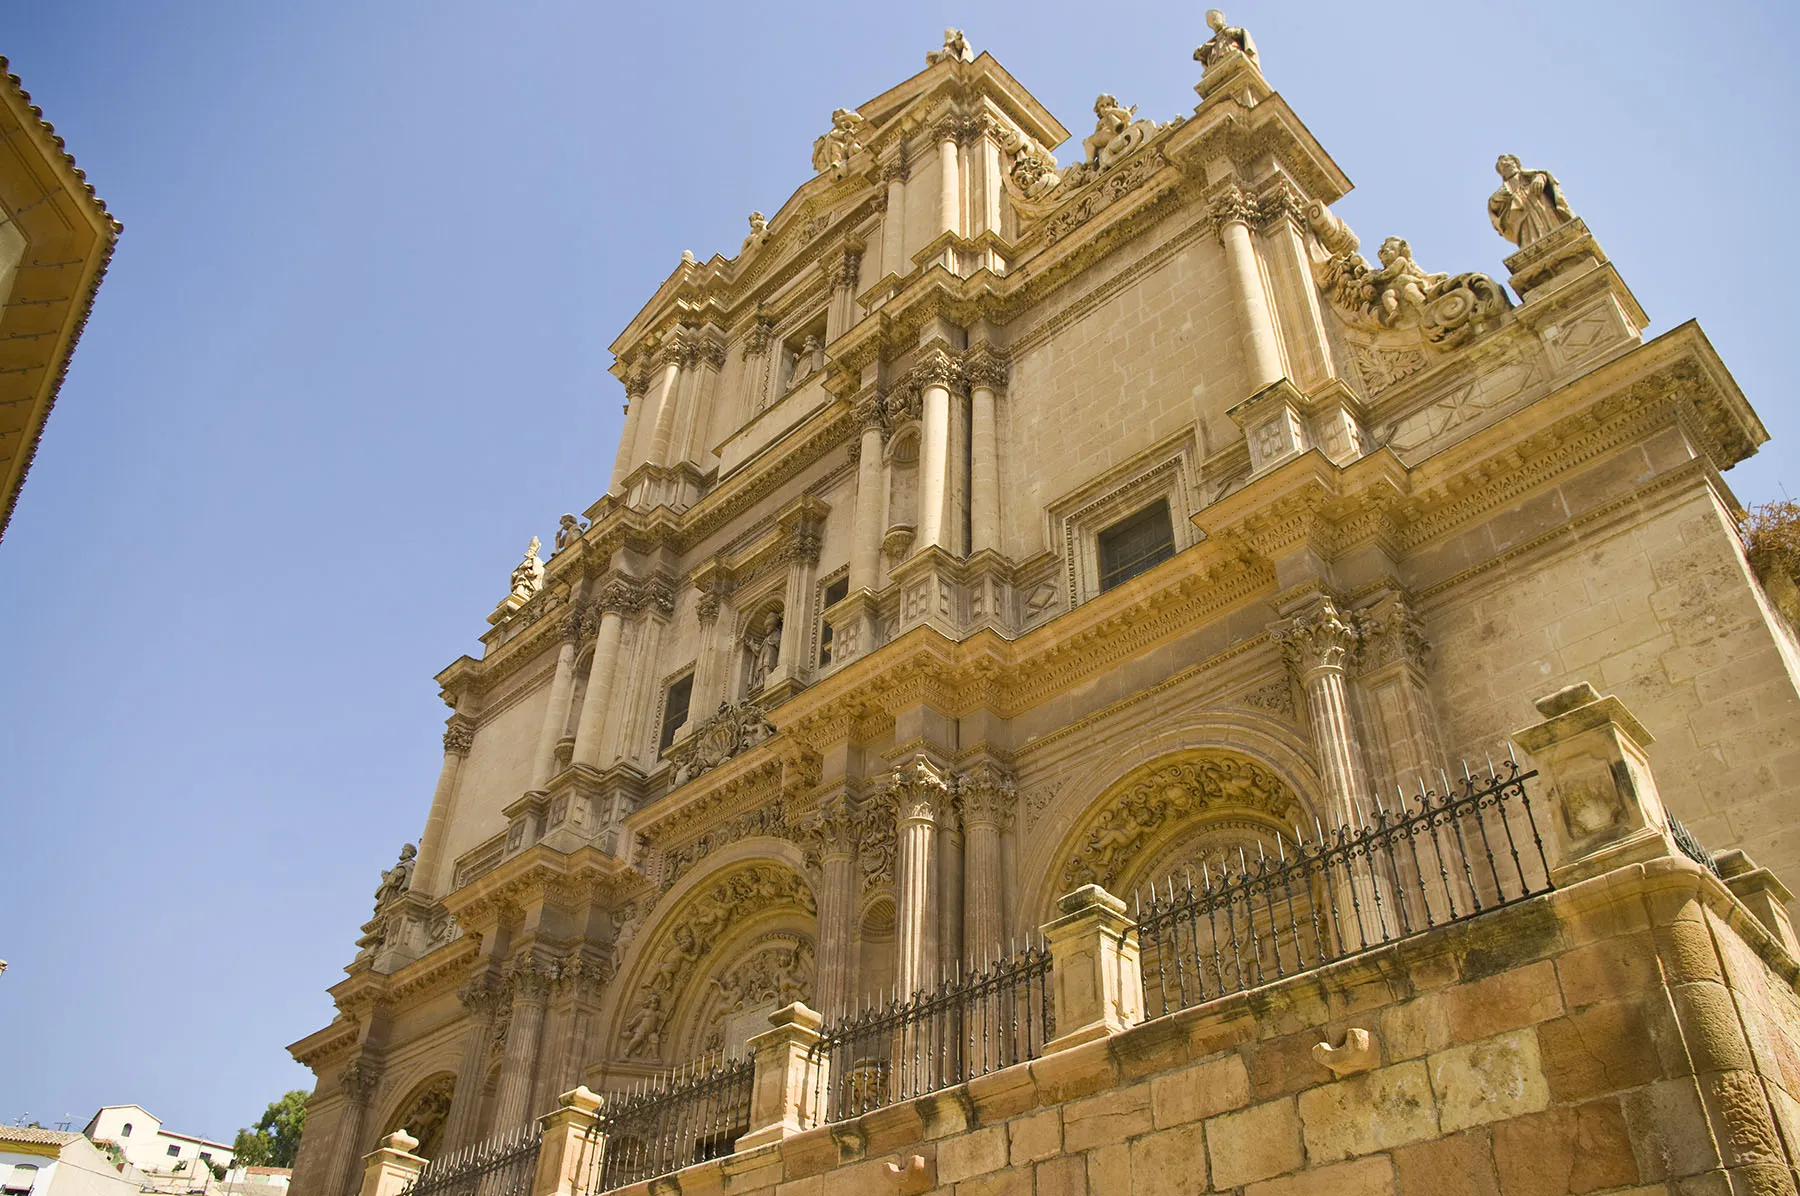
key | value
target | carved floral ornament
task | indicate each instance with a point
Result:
(1139, 815)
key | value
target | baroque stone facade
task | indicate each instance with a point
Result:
(987, 527)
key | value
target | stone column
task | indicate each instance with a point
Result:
(1095, 970)
(530, 982)
(481, 1002)
(935, 374)
(556, 713)
(986, 374)
(1318, 645)
(893, 226)
(832, 830)
(949, 885)
(615, 597)
(920, 791)
(801, 552)
(949, 209)
(988, 796)
(358, 1084)
(1234, 211)
(712, 661)
(668, 396)
(865, 553)
(431, 876)
(636, 383)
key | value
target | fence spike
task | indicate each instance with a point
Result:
(1509, 754)
(1400, 792)
(1490, 763)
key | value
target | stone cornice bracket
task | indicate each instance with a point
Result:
(847, 269)
(985, 366)
(989, 795)
(920, 790)
(1321, 639)
(459, 735)
(715, 585)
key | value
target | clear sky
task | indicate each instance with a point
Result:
(351, 356)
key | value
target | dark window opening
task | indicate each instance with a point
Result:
(1136, 544)
(675, 711)
(836, 592)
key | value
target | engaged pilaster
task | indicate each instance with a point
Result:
(556, 714)
(358, 1083)
(832, 831)
(530, 982)
(986, 374)
(988, 799)
(615, 599)
(1234, 213)
(459, 739)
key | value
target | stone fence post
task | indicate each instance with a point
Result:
(1762, 894)
(1604, 810)
(787, 1076)
(390, 1167)
(1094, 959)
(571, 1144)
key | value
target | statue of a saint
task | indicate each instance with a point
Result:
(398, 879)
(1529, 203)
(528, 574)
(1226, 40)
(568, 530)
(956, 49)
(765, 652)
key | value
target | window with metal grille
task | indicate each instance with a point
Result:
(675, 711)
(1134, 544)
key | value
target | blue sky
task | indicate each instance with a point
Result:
(351, 355)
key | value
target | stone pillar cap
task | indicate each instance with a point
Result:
(1089, 897)
(1577, 708)
(401, 1141)
(580, 1097)
(797, 1014)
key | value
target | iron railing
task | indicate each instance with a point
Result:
(1691, 848)
(970, 1024)
(675, 1120)
(504, 1165)
(1436, 858)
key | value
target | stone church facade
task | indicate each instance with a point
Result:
(987, 527)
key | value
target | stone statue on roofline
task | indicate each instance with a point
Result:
(956, 49)
(1529, 204)
(759, 231)
(568, 530)
(1226, 40)
(528, 574)
(834, 148)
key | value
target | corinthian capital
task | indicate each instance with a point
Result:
(833, 829)
(937, 368)
(359, 1080)
(621, 595)
(984, 368)
(1231, 206)
(1321, 638)
(921, 790)
(459, 736)
(530, 979)
(988, 794)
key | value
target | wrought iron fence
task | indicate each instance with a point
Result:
(1691, 848)
(504, 1165)
(1435, 858)
(675, 1120)
(968, 1025)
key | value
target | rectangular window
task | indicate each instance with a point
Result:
(174, 1152)
(836, 592)
(1135, 544)
(675, 711)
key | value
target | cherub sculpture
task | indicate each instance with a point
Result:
(643, 1033)
(1111, 120)
(759, 231)
(834, 149)
(1399, 282)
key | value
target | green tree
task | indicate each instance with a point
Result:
(275, 1140)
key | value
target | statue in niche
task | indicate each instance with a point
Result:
(568, 530)
(528, 574)
(1226, 40)
(1399, 281)
(765, 651)
(759, 231)
(1529, 204)
(834, 149)
(643, 1033)
(956, 49)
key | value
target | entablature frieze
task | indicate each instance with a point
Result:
(536, 877)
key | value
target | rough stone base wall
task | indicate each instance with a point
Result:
(1581, 1042)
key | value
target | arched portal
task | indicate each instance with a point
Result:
(425, 1113)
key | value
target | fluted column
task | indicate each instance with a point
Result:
(843, 275)
(530, 993)
(636, 383)
(865, 552)
(358, 1084)
(1234, 212)
(556, 713)
(801, 552)
(668, 398)
(936, 373)
(617, 596)
(1318, 645)
(986, 373)
(949, 212)
(833, 831)
(893, 225)
(988, 796)
(949, 885)
(919, 790)
(712, 662)
(481, 1002)
(430, 876)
